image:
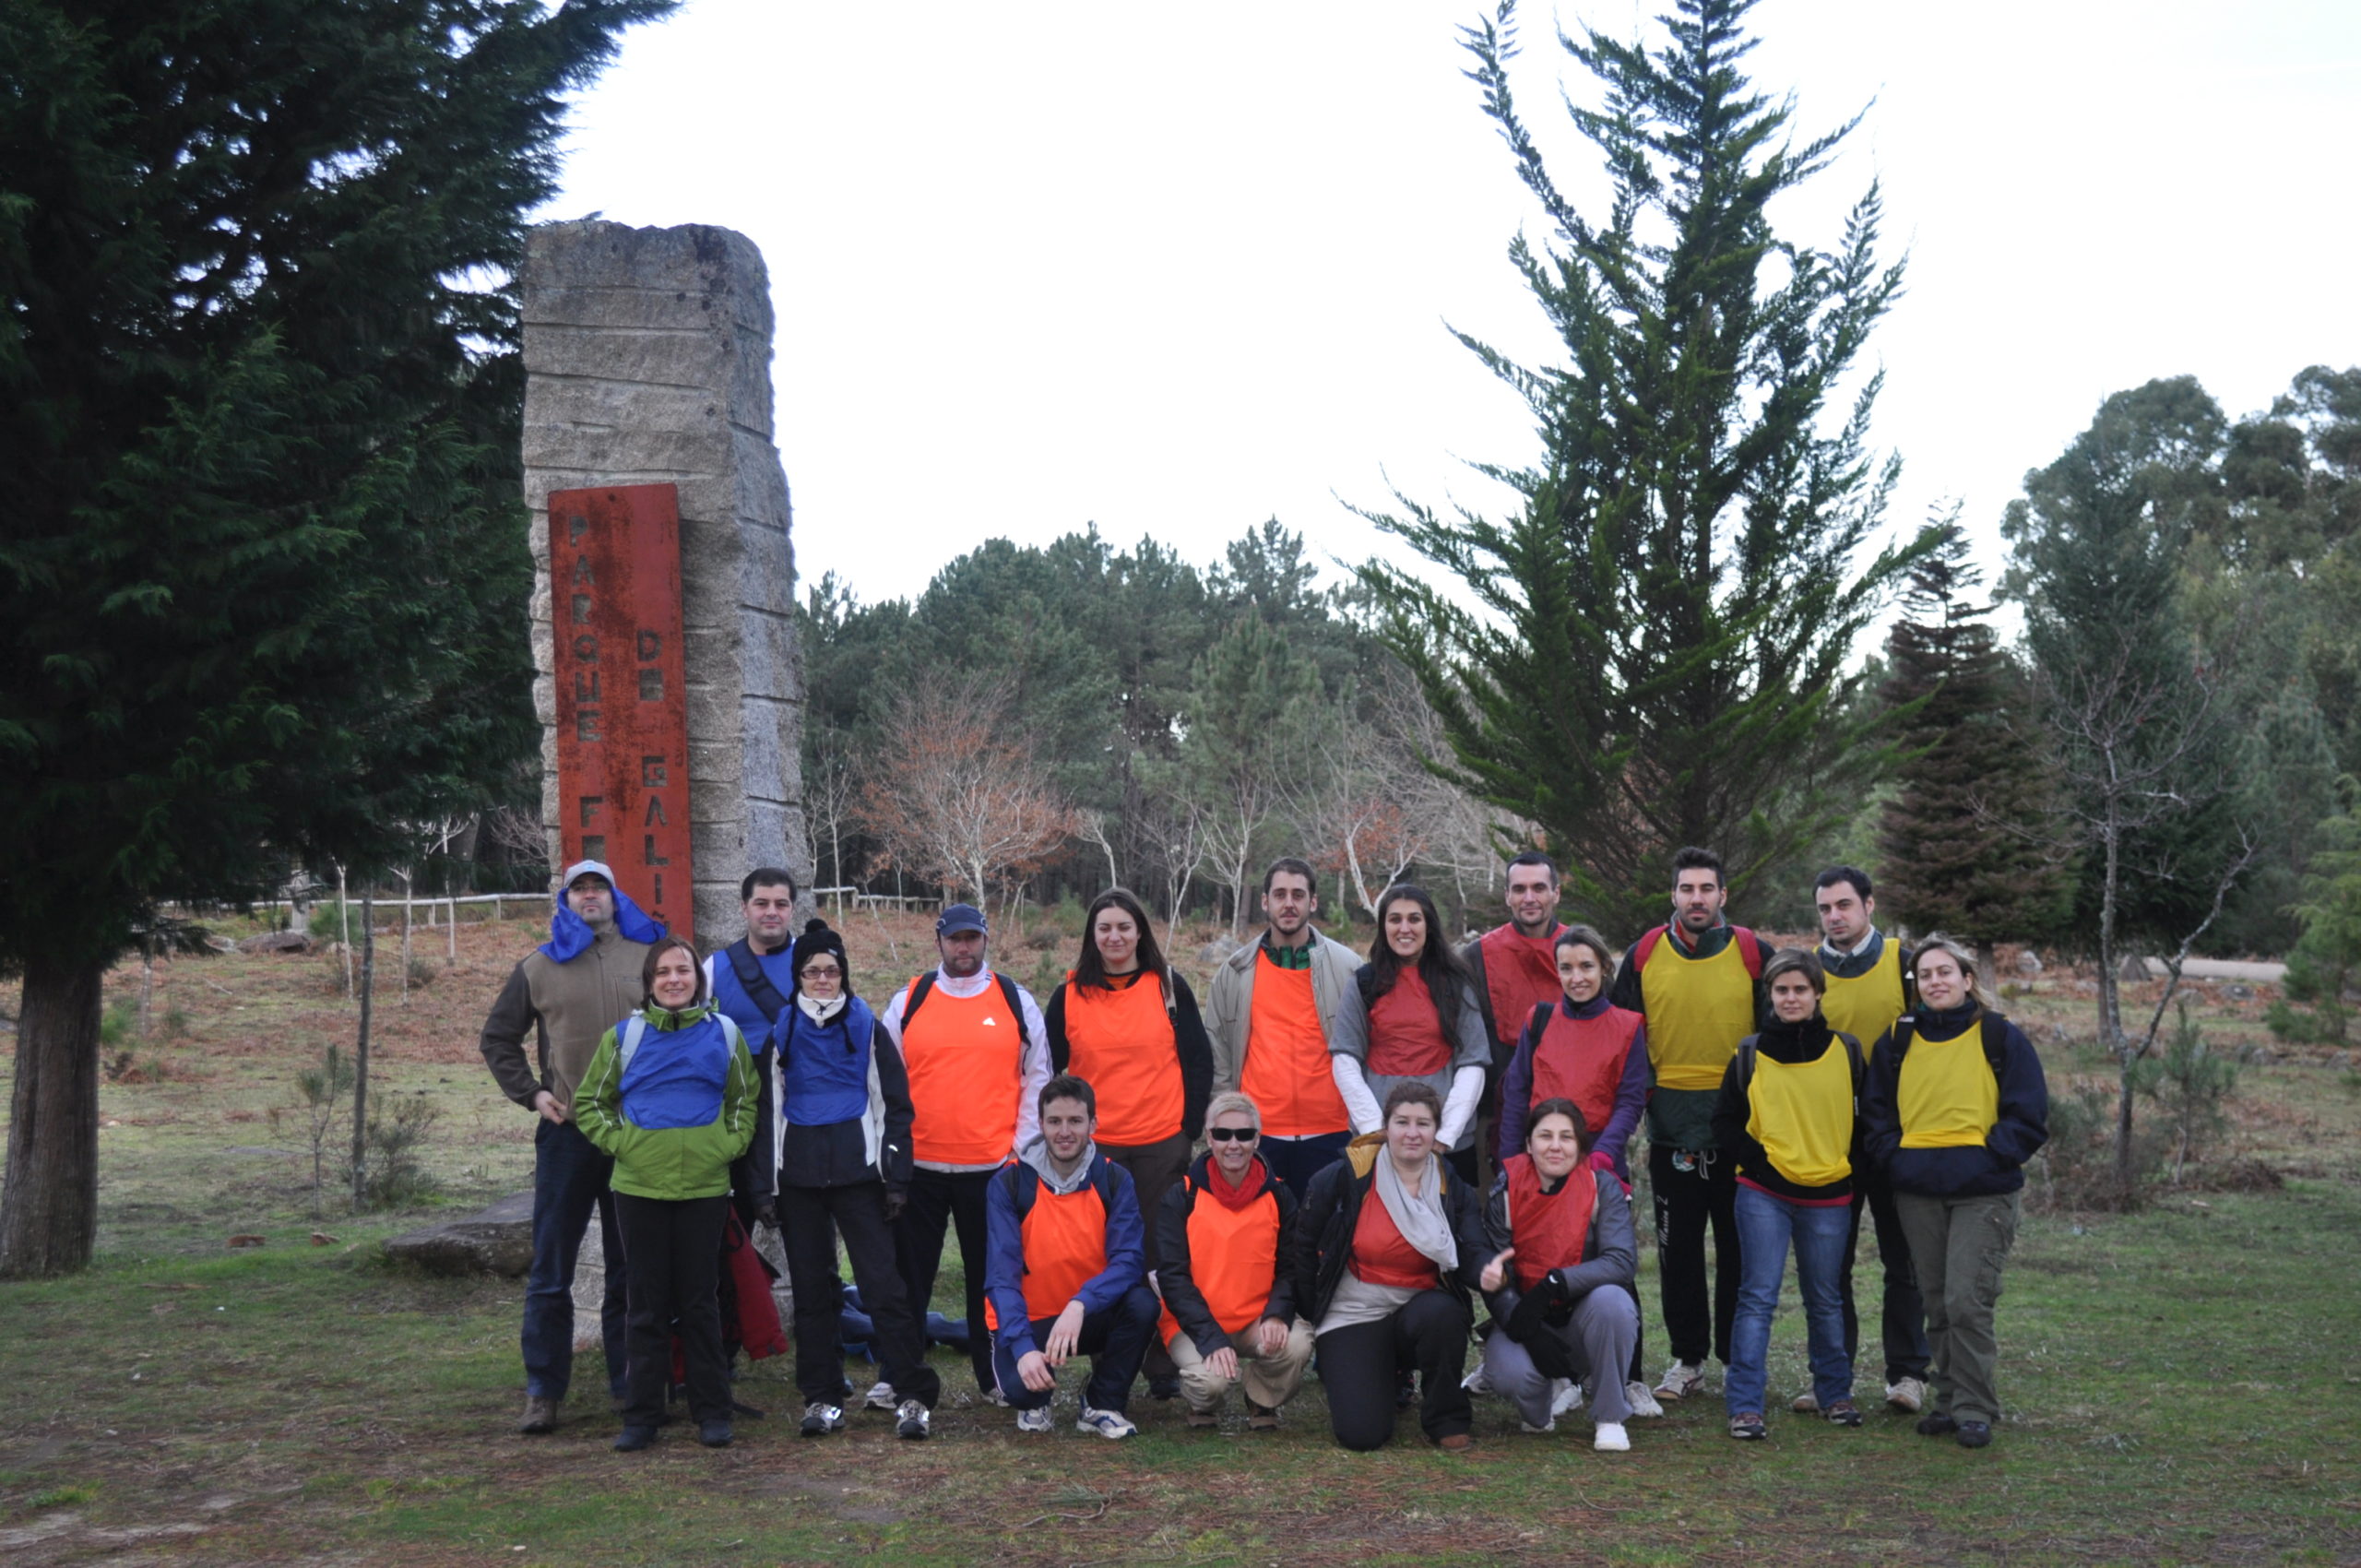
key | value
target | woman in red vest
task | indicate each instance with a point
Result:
(1388, 1244)
(1560, 1285)
(1584, 1048)
(1128, 1026)
(1419, 1020)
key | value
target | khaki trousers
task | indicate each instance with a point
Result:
(1271, 1381)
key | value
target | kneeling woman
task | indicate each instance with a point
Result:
(1954, 1106)
(1786, 1121)
(671, 1094)
(1388, 1244)
(1559, 1285)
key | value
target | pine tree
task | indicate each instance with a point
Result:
(1657, 652)
(264, 569)
(1962, 840)
(2326, 960)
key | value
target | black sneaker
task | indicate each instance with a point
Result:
(714, 1434)
(1748, 1426)
(912, 1421)
(631, 1439)
(1165, 1387)
(1975, 1434)
(820, 1418)
(1843, 1413)
(1934, 1424)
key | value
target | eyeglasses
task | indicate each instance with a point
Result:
(1232, 1134)
(813, 971)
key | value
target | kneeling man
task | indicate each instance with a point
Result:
(1229, 1307)
(1066, 1268)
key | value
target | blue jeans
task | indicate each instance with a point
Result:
(569, 1179)
(1765, 1227)
(1113, 1337)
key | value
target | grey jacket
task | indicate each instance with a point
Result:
(1229, 1001)
(1471, 1051)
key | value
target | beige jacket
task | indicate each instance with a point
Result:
(1229, 1002)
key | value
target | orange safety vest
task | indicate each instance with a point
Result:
(1582, 1060)
(1064, 1237)
(1119, 1041)
(1287, 1072)
(964, 1056)
(1547, 1230)
(1233, 1260)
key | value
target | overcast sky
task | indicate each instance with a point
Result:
(1176, 269)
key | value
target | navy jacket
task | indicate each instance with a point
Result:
(2020, 1127)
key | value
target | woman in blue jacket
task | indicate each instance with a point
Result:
(844, 1165)
(1954, 1106)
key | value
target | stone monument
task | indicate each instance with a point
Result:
(648, 356)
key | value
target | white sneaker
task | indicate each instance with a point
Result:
(1611, 1438)
(1524, 1426)
(1643, 1403)
(1805, 1404)
(1476, 1382)
(1680, 1380)
(1036, 1419)
(1111, 1424)
(912, 1421)
(880, 1395)
(1907, 1393)
(1565, 1396)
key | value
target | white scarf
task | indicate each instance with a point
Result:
(819, 1011)
(1419, 1217)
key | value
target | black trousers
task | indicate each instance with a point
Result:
(810, 1219)
(1688, 1203)
(1358, 1367)
(672, 1262)
(1156, 1170)
(1903, 1313)
(1295, 1161)
(940, 1201)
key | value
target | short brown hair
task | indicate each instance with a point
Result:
(656, 950)
(1411, 1091)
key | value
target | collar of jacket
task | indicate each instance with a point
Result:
(668, 1019)
(1291, 957)
(1590, 1009)
(1036, 1155)
(1705, 946)
(1858, 962)
(1950, 1023)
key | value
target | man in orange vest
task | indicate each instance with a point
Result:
(1068, 1271)
(978, 1053)
(1515, 970)
(1698, 983)
(1271, 1012)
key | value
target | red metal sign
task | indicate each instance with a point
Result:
(622, 731)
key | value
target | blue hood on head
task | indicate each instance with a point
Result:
(570, 937)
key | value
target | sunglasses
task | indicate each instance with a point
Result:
(1232, 1134)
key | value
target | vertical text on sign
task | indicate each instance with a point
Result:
(622, 733)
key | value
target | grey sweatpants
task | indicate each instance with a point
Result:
(1598, 1339)
(1957, 1246)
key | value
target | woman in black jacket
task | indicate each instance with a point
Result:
(1389, 1243)
(844, 1166)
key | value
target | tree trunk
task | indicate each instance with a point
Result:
(361, 1048)
(2111, 1000)
(49, 1214)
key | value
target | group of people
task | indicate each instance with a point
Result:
(1399, 1152)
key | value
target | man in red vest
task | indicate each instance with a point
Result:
(978, 1053)
(1068, 1272)
(1515, 967)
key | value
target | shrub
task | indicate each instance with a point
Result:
(2191, 1085)
(393, 1176)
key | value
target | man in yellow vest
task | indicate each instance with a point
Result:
(977, 1053)
(1271, 1012)
(1868, 988)
(1698, 982)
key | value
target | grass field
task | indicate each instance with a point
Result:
(2182, 1383)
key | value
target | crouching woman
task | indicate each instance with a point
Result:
(1559, 1285)
(671, 1095)
(1390, 1242)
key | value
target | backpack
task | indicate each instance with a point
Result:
(922, 987)
(1995, 1028)
(636, 1031)
(1750, 948)
(1746, 1051)
(753, 980)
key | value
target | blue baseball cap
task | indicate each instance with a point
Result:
(959, 918)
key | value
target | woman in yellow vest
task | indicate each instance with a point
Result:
(1129, 1027)
(1784, 1119)
(1954, 1105)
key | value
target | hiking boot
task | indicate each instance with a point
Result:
(714, 1434)
(880, 1395)
(540, 1415)
(1805, 1404)
(1261, 1419)
(1843, 1413)
(1611, 1438)
(1935, 1423)
(1748, 1426)
(1975, 1434)
(1680, 1380)
(1111, 1424)
(1455, 1442)
(1906, 1394)
(820, 1418)
(1036, 1419)
(912, 1421)
(1643, 1403)
(1204, 1419)
(631, 1439)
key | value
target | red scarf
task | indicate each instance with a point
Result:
(1245, 1192)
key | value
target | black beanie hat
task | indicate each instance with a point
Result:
(818, 938)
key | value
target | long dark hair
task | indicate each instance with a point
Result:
(1091, 969)
(1439, 966)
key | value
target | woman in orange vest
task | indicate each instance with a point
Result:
(1389, 1246)
(1559, 1285)
(1128, 1026)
